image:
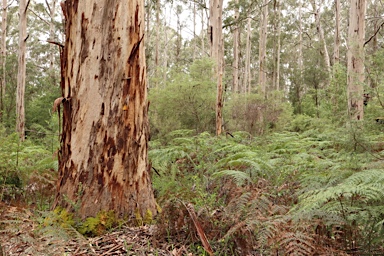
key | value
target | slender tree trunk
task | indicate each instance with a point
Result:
(276, 78)
(3, 57)
(355, 59)
(103, 164)
(247, 71)
(194, 32)
(21, 73)
(299, 85)
(336, 49)
(52, 12)
(157, 42)
(263, 49)
(235, 71)
(320, 34)
(202, 33)
(217, 54)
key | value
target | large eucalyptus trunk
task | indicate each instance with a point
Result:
(355, 59)
(217, 54)
(103, 163)
(21, 72)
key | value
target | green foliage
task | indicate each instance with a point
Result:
(255, 115)
(281, 193)
(187, 102)
(26, 171)
(94, 226)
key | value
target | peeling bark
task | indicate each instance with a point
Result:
(103, 162)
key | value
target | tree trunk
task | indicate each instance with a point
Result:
(235, 72)
(157, 42)
(194, 32)
(20, 110)
(299, 85)
(247, 71)
(103, 163)
(217, 54)
(320, 33)
(3, 56)
(355, 59)
(52, 12)
(277, 45)
(336, 49)
(263, 50)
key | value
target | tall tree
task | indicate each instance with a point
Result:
(52, 12)
(103, 164)
(236, 44)
(277, 45)
(3, 57)
(355, 59)
(247, 68)
(320, 34)
(20, 108)
(263, 49)
(336, 48)
(217, 54)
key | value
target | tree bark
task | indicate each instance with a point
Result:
(217, 54)
(355, 59)
(320, 33)
(336, 48)
(247, 71)
(277, 46)
(263, 49)
(103, 163)
(3, 56)
(157, 42)
(235, 72)
(52, 12)
(21, 72)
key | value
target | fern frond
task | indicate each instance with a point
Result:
(239, 177)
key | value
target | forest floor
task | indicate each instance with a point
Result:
(22, 233)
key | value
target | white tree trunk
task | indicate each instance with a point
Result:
(235, 72)
(247, 68)
(217, 54)
(3, 57)
(52, 13)
(355, 59)
(21, 73)
(321, 37)
(336, 48)
(263, 50)
(276, 81)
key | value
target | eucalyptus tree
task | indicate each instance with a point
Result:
(103, 164)
(217, 54)
(20, 106)
(355, 59)
(263, 49)
(3, 56)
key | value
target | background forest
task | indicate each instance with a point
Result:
(291, 174)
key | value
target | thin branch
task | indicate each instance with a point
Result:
(56, 43)
(38, 16)
(373, 36)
